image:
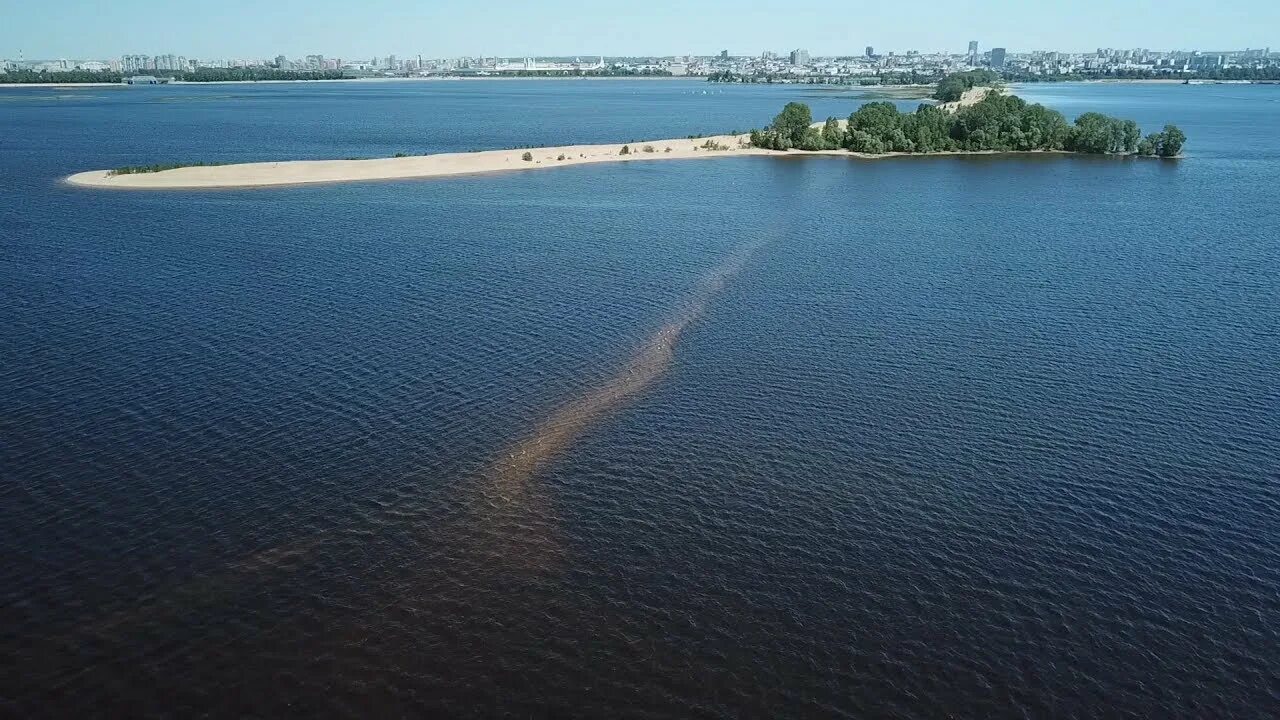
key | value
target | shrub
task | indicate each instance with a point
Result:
(561, 156)
(810, 140)
(626, 150)
(527, 157)
(139, 169)
(864, 142)
(667, 150)
(401, 155)
(647, 148)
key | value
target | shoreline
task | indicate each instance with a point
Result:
(311, 172)
(421, 167)
(308, 172)
(347, 81)
(408, 167)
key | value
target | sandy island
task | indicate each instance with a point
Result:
(303, 172)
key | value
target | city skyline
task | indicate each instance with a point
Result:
(974, 50)
(502, 28)
(796, 64)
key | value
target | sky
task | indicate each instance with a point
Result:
(89, 29)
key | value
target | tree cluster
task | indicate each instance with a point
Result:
(1000, 123)
(953, 86)
(1163, 144)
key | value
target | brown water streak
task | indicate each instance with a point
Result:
(554, 435)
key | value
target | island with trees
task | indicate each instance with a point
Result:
(993, 122)
(980, 120)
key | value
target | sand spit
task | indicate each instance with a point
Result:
(303, 172)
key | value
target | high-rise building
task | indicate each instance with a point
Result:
(799, 57)
(973, 52)
(282, 62)
(871, 52)
(997, 57)
(724, 54)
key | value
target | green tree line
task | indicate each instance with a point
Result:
(1001, 123)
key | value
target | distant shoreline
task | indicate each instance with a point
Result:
(347, 81)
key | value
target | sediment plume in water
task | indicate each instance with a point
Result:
(508, 477)
(552, 436)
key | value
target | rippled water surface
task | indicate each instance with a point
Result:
(752, 437)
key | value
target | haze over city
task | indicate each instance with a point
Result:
(82, 28)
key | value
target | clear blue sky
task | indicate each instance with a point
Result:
(83, 29)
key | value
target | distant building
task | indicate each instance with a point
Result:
(973, 52)
(871, 52)
(997, 58)
(799, 57)
(724, 54)
(282, 62)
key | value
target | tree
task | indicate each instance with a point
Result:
(832, 135)
(862, 141)
(1131, 135)
(811, 140)
(1091, 134)
(1173, 140)
(793, 121)
(877, 118)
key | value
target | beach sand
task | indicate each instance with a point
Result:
(423, 166)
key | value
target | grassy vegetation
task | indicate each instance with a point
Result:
(160, 167)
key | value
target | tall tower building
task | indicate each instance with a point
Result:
(997, 58)
(973, 52)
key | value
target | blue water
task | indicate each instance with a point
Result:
(957, 436)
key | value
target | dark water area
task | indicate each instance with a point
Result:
(816, 437)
